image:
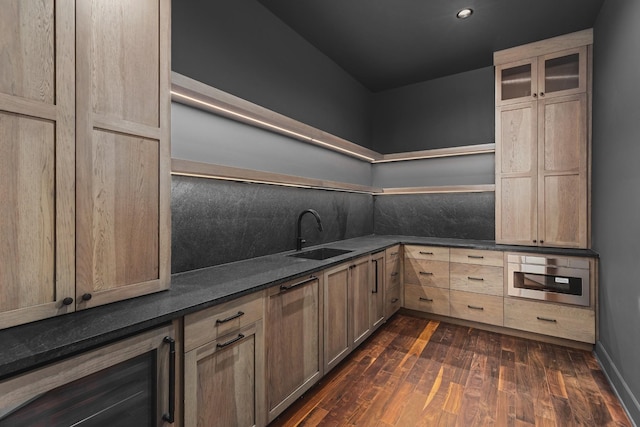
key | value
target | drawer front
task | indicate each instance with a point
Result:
(482, 279)
(392, 301)
(392, 274)
(393, 253)
(207, 325)
(426, 273)
(557, 320)
(479, 257)
(479, 308)
(427, 299)
(432, 253)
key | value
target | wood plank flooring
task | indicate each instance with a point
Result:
(418, 372)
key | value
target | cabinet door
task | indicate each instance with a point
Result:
(293, 340)
(336, 315)
(360, 288)
(516, 174)
(222, 381)
(37, 146)
(517, 82)
(562, 182)
(378, 291)
(122, 164)
(562, 73)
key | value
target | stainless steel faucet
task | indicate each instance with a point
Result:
(299, 239)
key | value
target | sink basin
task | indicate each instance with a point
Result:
(320, 253)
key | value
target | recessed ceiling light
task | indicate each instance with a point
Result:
(464, 13)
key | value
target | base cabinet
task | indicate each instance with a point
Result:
(293, 341)
(224, 365)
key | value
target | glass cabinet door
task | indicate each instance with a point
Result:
(516, 82)
(563, 73)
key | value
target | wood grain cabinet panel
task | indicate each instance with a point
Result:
(426, 273)
(337, 342)
(543, 143)
(558, 320)
(427, 299)
(476, 307)
(477, 256)
(482, 279)
(431, 253)
(293, 341)
(122, 164)
(223, 381)
(37, 155)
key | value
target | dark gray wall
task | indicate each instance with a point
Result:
(215, 222)
(242, 48)
(204, 137)
(446, 112)
(459, 170)
(458, 215)
(616, 193)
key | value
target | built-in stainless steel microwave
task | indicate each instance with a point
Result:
(549, 278)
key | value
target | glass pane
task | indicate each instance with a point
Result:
(562, 73)
(516, 82)
(122, 395)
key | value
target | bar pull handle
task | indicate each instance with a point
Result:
(230, 318)
(475, 256)
(231, 341)
(426, 253)
(546, 319)
(300, 283)
(426, 299)
(475, 278)
(475, 307)
(375, 291)
(170, 416)
(426, 273)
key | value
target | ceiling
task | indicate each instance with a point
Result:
(385, 44)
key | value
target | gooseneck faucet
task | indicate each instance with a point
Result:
(299, 239)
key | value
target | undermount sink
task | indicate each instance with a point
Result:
(320, 253)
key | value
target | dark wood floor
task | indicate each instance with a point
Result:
(416, 372)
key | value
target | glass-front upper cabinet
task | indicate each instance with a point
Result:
(557, 74)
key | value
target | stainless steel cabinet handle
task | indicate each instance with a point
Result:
(230, 318)
(300, 283)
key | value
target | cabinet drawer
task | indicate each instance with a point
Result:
(393, 254)
(392, 301)
(482, 279)
(207, 325)
(557, 320)
(427, 299)
(475, 256)
(479, 308)
(392, 275)
(433, 253)
(426, 273)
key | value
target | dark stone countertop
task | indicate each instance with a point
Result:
(28, 346)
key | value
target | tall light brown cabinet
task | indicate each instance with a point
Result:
(84, 164)
(543, 102)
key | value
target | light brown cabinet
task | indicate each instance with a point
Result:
(542, 143)
(224, 365)
(393, 280)
(348, 310)
(293, 341)
(426, 279)
(84, 132)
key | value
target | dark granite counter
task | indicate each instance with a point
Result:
(28, 346)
